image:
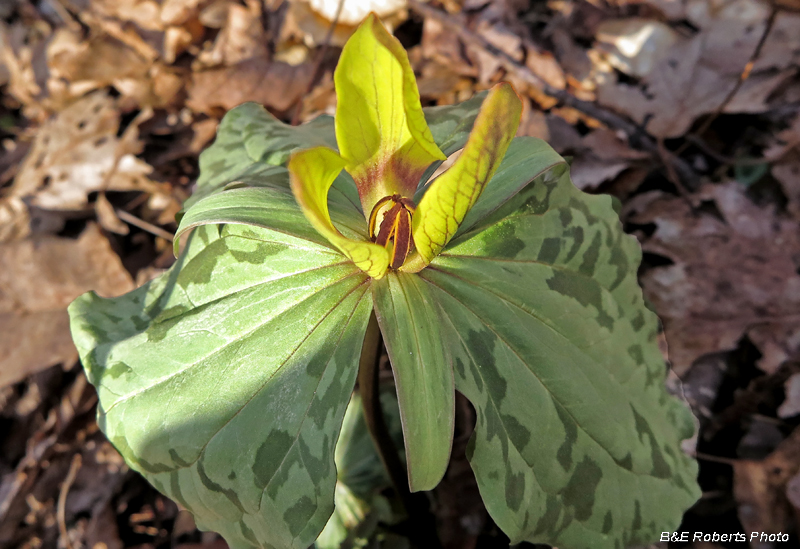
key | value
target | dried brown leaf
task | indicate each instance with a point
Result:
(40, 277)
(759, 488)
(242, 37)
(275, 84)
(728, 276)
(683, 78)
(107, 218)
(78, 152)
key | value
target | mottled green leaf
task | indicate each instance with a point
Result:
(251, 143)
(269, 208)
(360, 475)
(225, 380)
(423, 375)
(577, 443)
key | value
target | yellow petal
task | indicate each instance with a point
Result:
(380, 127)
(444, 205)
(312, 172)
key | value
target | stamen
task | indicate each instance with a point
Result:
(395, 228)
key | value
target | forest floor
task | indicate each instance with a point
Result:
(687, 111)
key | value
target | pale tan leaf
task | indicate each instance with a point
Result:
(78, 152)
(39, 278)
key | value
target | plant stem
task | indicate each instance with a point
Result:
(420, 528)
(373, 413)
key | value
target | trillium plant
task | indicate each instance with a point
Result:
(225, 380)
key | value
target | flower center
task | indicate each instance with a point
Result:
(394, 232)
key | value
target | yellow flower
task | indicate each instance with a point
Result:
(386, 146)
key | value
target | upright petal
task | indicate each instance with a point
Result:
(312, 174)
(380, 128)
(451, 195)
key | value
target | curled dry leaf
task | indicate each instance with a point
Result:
(726, 277)
(759, 488)
(39, 278)
(602, 156)
(78, 152)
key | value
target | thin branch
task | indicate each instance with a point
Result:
(62, 499)
(144, 225)
(611, 119)
(743, 76)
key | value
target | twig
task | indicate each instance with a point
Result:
(315, 74)
(62, 499)
(671, 175)
(743, 76)
(613, 120)
(730, 161)
(65, 15)
(715, 459)
(144, 225)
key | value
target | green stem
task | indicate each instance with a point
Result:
(373, 413)
(420, 528)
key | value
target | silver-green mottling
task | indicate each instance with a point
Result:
(577, 443)
(225, 380)
(228, 396)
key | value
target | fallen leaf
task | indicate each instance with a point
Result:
(79, 66)
(502, 38)
(635, 46)
(178, 12)
(242, 37)
(791, 404)
(107, 218)
(14, 219)
(78, 152)
(40, 277)
(94, 63)
(23, 52)
(143, 13)
(684, 78)
(787, 169)
(442, 46)
(275, 84)
(759, 488)
(726, 276)
(601, 156)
